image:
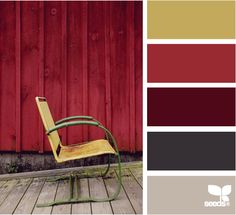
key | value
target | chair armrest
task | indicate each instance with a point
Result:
(73, 123)
(73, 117)
(92, 123)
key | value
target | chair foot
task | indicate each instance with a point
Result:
(74, 200)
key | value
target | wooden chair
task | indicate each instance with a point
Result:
(63, 153)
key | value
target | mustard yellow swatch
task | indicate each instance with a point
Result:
(191, 19)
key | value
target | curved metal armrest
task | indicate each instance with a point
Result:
(73, 123)
(76, 117)
(73, 117)
(67, 124)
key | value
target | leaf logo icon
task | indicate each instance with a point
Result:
(218, 191)
(226, 190)
(214, 190)
(222, 193)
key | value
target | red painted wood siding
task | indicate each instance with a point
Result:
(85, 57)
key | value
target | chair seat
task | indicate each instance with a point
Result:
(89, 149)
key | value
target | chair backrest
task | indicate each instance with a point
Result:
(48, 123)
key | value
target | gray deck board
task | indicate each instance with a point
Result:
(47, 194)
(2, 183)
(133, 191)
(11, 201)
(28, 201)
(98, 190)
(137, 173)
(6, 189)
(121, 205)
(63, 193)
(82, 208)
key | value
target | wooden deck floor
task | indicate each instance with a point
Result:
(19, 195)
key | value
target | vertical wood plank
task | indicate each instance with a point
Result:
(41, 71)
(29, 75)
(120, 74)
(107, 65)
(46, 195)
(64, 65)
(97, 189)
(96, 66)
(131, 48)
(138, 74)
(7, 76)
(82, 208)
(85, 64)
(75, 67)
(18, 76)
(53, 75)
(63, 193)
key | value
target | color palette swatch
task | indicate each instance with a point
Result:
(190, 85)
(191, 19)
(191, 151)
(190, 195)
(191, 63)
(191, 106)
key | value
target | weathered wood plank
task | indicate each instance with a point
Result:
(8, 76)
(6, 188)
(29, 199)
(131, 70)
(121, 205)
(64, 64)
(11, 201)
(18, 76)
(53, 73)
(96, 70)
(133, 190)
(82, 208)
(46, 195)
(2, 183)
(76, 62)
(41, 71)
(98, 190)
(63, 192)
(85, 64)
(138, 61)
(29, 81)
(138, 174)
(119, 65)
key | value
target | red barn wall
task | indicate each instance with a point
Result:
(84, 57)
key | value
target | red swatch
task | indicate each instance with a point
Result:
(191, 106)
(191, 63)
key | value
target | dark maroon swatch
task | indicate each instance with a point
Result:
(191, 106)
(191, 63)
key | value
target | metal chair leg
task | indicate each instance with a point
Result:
(76, 199)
